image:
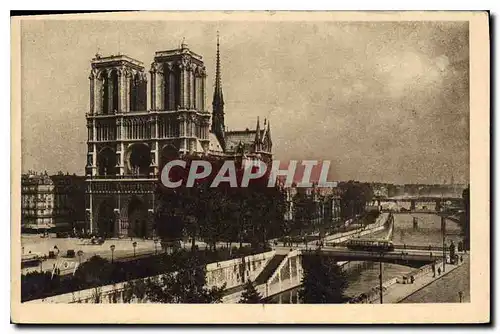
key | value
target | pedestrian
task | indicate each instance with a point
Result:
(439, 271)
(461, 258)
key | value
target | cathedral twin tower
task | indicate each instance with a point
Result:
(128, 143)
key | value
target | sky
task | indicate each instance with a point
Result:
(383, 101)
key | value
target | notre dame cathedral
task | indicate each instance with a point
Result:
(128, 144)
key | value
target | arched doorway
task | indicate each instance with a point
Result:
(106, 219)
(139, 159)
(137, 218)
(106, 162)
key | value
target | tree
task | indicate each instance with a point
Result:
(324, 282)
(186, 285)
(94, 272)
(304, 211)
(250, 295)
(251, 214)
(354, 197)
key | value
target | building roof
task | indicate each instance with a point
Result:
(214, 144)
(246, 137)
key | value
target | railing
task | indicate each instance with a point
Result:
(121, 177)
(372, 294)
(344, 254)
(418, 247)
(284, 262)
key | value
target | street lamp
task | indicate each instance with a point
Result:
(443, 229)
(112, 247)
(155, 240)
(80, 254)
(134, 244)
(380, 280)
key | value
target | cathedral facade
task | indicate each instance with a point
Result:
(128, 144)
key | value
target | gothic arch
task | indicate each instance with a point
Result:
(137, 213)
(110, 93)
(106, 219)
(106, 161)
(135, 91)
(168, 153)
(138, 159)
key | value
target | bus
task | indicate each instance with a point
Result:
(370, 245)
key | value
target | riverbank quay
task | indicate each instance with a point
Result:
(398, 289)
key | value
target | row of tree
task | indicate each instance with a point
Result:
(252, 214)
(98, 271)
(323, 282)
(354, 198)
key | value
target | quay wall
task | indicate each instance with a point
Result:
(232, 272)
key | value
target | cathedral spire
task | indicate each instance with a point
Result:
(268, 134)
(257, 131)
(218, 79)
(218, 125)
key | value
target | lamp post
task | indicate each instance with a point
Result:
(380, 280)
(80, 254)
(155, 240)
(112, 247)
(443, 229)
(134, 244)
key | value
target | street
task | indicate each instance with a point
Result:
(446, 289)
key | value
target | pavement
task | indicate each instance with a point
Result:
(35, 244)
(446, 289)
(398, 292)
(41, 246)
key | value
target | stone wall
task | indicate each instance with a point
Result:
(237, 271)
(379, 225)
(217, 273)
(287, 276)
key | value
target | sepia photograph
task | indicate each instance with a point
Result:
(250, 158)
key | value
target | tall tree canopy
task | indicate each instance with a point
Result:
(324, 282)
(250, 294)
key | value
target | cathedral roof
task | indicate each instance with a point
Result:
(214, 144)
(246, 137)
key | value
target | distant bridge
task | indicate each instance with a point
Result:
(420, 199)
(422, 204)
(413, 256)
(429, 198)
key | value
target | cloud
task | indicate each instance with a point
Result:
(383, 101)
